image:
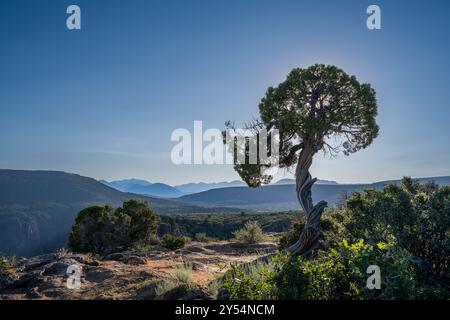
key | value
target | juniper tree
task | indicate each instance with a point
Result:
(314, 109)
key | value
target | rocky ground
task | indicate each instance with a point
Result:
(127, 275)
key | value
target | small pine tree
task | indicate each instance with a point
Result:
(251, 233)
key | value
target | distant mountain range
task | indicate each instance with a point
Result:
(143, 187)
(277, 196)
(292, 181)
(282, 196)
(203, 186)
(166, 191)
(125, 185)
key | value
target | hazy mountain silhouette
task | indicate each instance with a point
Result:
(143, 187)
(158, 190)
(125, 185)
(204, 186)
(292, 181)
(282, 196)
(166, 191)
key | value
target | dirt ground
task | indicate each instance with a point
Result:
(127, 275)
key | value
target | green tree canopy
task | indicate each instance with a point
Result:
(102, 229)
(317, 108)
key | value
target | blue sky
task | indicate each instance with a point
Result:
(103, 101)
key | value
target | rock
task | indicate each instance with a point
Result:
(198, 294)
(147, 292)
(134, 260)
(195, 249)
(223, 294)
(197, 266)
(114, 257)
(127, 258)
(55, 293)
(83, 259)
(27, 281)
(6, 280)
(33, 294)
(9, 297)
(98, 275)
(60, 267)
(36, 263)
(156, 251)
(177, 292)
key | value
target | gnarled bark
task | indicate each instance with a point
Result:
(311, 233)
(309, 238)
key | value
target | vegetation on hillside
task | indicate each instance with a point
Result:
(5, 265)
(172, 242)
(402, 229)
(103, 229)
(222, 226)
(202, 237)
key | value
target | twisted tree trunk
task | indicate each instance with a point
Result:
(309, 238)
(311, 233)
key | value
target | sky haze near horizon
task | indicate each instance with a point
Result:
(104, 100)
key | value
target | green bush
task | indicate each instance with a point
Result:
(102, 229)
(5, 265)
(180, 283)
(222, 225)
(406, 233)
(340, 273)
(411, 216)
(290, 237)
(202, 237)
(163, 287)
(172, 242)
(332, 225)
(251, 233)
(183, 273)
(254, 282)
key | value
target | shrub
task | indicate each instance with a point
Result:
(290, 237)
(180, 283)
(406, 232)
(215, 286)
(172, 242)
(183, 273)
(340, 273)
(332, 225)
(202, 237)
(163, 287)
(221, 226)
(102, 230)
(5, 265)
(253, 282)
(251, 233)
(411, 216)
